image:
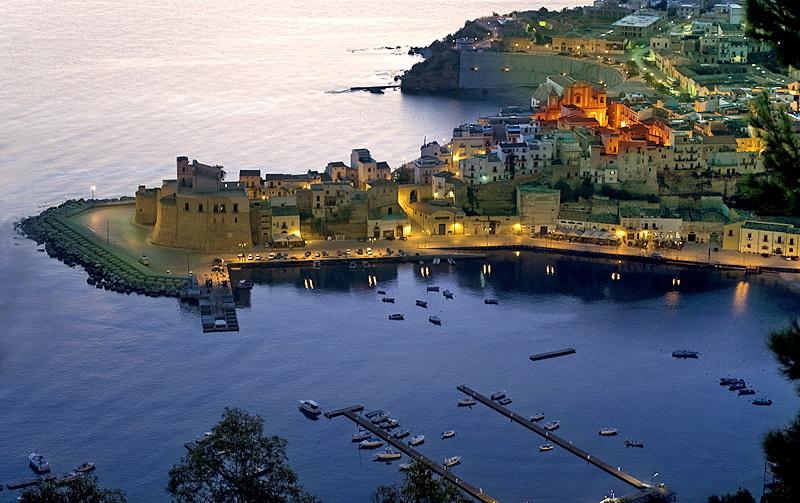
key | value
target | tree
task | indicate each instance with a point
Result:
(785, 344)
(777, 22)
(740, 496)
(236, 463)
(420, 487)
(83, 489)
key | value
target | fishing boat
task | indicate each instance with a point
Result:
(387, 455)
(310, 408)
(448, 434)
(634, 443)
(399, 434)
(370, 443)
(436, 261)
(545, 447)
(685, 353)
(389, 424)
(38, 463)
(467, 402)
(435, 320)
(84, 468)
(537, 417)
(607, 432)
(433, 289)
(449, 462)
(737, 387)
(747, 391)
(451, 261)
(389, 300)
(493, 302)
(762, 401)
(422, 303)
(552, 425)
(396, 316)
(504, 401)
(360, 436)
(416, 440)
(381, 292)
(497, 395)
(728, 381)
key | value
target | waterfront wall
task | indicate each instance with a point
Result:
(495, 70)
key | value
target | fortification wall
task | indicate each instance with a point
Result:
(146, 206)
(494, 70)
(200, 230)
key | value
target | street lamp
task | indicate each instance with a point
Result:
(93, 189)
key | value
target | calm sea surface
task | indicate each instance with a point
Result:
(108, 93)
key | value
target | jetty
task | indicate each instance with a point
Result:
(552, 354)
(217, 306)
(375, 89)
(351, 414)
(23, 484)
(612, 470)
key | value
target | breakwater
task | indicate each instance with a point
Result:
(68, 242)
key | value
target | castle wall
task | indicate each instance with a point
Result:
(146, 205)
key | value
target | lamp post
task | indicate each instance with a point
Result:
(93, 189)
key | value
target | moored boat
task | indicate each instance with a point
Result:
(634, 443)
(728, 381)
(310, 408)
(448, 434)
(38, 463)
(491, 301)
(370, 443)
(737, 387)
(360, 436)
(453, 461)
(387, 455)
(372, 413)
(537, 417)
(378, 418)
(436, 261)
(433, 288)
(762, 401)
(84, 468)
(685, 353)
(435, 320)
(448, 295)
(552, 425)
(747, 392)
(244, 284)
(422, 303)
(497, 395)
(607, 432)
(504, 401)
(388, 424)
(467, 402)
(399, 434)
(416, 440)
(404, 467)
(545, 447)
(353, 265)
(396, 316)
(381, 292)
(390, 300)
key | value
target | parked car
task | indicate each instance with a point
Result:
(144, 260)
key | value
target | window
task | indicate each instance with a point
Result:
(235, 208)
(791, 241)
(200, 208)
(730, 233)
(185, 206)
(766, 239)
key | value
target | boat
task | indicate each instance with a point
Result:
(416, 440)
(244, 284)
(370, 443)
(448, 295)
(747, 391)
(497, 395)
(396, 316)
(401, 434)
(762, 401)
(737, 387)
(607, 432)
(433, 288)
(404, 467)
(436, 261)
(449, 462)
(38, 463)
(389, 424)
(634, 443)
(310, 408)
(448, 434)
(353, 265)
(467, 402)
(504, 401)
(360, 436)
(422, 303)
(727, 381)
(435, 320)
(552, 425)
(537, 417)
(84, 468)
(390, 300)
(364, 263)
(317, 264)
(387, 455)
(372, 413)
(381, 292)
(379, 418)
(493, 302)
(545, 447)
(684, 353)
(451, 261)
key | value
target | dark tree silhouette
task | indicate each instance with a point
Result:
(740, 496)
(420, 487)
(83, 489)
(777, 22)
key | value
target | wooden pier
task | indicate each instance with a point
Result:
(351, 414)
(555, 439)
(552, 354)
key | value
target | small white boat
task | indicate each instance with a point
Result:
(436, 261)
(545, 447)
(387, 455)
(498, 395)
(448, 434)
(404, 467)
(399, 434)
(435, 320)
(38, 463)
(467, 402)
(310, 407)
(84, 468)
(379, 418)
(552, 425)
(448, 462)
(360, 436)
(537, 417)
(370, 443)
(416, 440)
(608, 432)
(396, 316)
(389, 424)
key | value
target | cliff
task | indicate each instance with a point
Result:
(436, 75)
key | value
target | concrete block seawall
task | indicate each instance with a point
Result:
(493, 70)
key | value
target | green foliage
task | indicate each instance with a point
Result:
(420, 487)
(237, 464)
(565, 189)
(83, 489)
(632, 68)
(624, 195)
(786, 346)
(740, 496)
(782, 448)
(777, 22)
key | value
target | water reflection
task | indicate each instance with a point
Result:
(740, 297)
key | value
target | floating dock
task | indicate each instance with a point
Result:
(216, 303)
(351, 414)
(615, 471)
(552, 354)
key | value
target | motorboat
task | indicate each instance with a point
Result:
(370, 443)
(416, 440)
(404, 467)
(360, 436)
(435, 320)
(85, 468)
(436, 261)
(388, 424)
(504, 401)
(310, 408)
(396, 316)
(317, 264)
(729, 381)
(448, 434)
(685, 353)
(552, 425)
(545, 447)
(399, 434)
(422, 303)
(493, 302)
(467, 402)
(389, 300)
(449, 462)
(451, 261)
(747, 391)
(433, 288)
(381, 292)
(387, 455)
(737, 387)
(353, 265)
(448, 295)
(372, 413)
(383, 416)
(634, 443)
(38, 463)
(607, 432)
(762, 401)
(497, 395)
(537, 417)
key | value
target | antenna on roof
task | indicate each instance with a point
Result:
(424, 140)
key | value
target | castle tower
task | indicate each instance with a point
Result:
(184, 172)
